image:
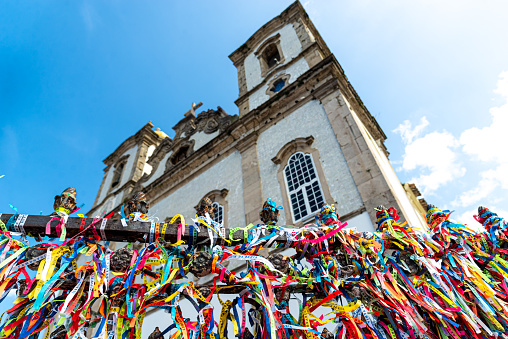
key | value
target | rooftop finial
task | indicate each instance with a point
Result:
(192, 111)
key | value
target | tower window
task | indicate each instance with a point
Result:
(117, 176)
(271, 55)
(277, 86)
(302, 182)
(218, 214)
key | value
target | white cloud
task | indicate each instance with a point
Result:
(502, 84)
(432, 154)
(488, 145)
(408, 133)
(468, 219)
(485, 187)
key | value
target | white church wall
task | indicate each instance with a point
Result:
(310, 119)
(290, 45)
(129, 166)
(105, 186)
(160, 169)
(125, 175)
(295, 70)
(225, 174)
(201, 139)
(361, 223)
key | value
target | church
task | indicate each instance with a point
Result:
(302, 137)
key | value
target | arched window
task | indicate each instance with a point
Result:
(220, 205)
(302, 182)
(271, 55)
(117, 176)
(218, 214)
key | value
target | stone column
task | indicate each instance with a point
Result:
(367, 174)
(252, 191)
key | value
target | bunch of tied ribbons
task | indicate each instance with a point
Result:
(397, 282)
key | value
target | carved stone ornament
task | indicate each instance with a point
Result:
(207, 121)
(410, 263)
(201, 264)
(65, 202)
(137, 204)
(205, 206)
(182, 149)
(327, 334)
(280, 262)
(156, 334)
(34, 252)
(121, 260)
(346, 271)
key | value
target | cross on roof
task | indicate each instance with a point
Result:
(192, 111)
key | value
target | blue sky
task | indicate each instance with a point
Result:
(79, 77)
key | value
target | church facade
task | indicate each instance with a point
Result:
(302, 137)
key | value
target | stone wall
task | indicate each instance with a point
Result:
(294, 71)
(225, 174)
(201, 138)
(291, 48)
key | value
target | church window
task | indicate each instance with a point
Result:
(220, 206)
(271, 55)
(117, 176)
(180, 155)
(304, 189)
(218, 214)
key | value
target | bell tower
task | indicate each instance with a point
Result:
(124, 167)
(275, 56)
